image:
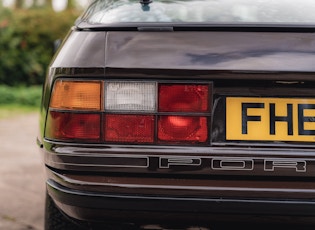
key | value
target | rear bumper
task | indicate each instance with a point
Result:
(181, 184)
(95, 202)
(98, 201)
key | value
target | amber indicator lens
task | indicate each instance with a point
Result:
(182, 129)
(76, 95)
(183, 98)
(129, 128)
(73, 126)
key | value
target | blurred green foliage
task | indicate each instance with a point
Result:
(27, 39)
(22, 96)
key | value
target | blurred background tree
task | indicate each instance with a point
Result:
(19, 4)
(28, 30)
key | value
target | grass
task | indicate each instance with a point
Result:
(15, 101)
(12, 110)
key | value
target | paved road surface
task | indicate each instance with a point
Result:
(21, 175)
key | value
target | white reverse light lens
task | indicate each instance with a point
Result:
(130, 96)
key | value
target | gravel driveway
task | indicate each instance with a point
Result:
(22, 187)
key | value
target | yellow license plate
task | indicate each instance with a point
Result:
(270, 119)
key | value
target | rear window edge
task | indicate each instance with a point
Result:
(250, 27)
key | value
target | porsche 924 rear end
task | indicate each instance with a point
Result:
(182, 112)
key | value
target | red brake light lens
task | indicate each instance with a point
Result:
(129, 128)
(183, 98)
(73, 126)
(182, 129)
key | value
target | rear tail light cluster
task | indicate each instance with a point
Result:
(129, 112)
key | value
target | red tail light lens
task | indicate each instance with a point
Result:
(130, 112)
(129, 128)
(183, 98)
(72, 126)
(182, 129)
